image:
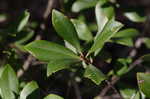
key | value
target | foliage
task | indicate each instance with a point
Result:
(86, 54)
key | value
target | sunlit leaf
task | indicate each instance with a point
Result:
(109, 30)
(135, 17)
(8, 82)
(101, 18)
(28, 89)
(53, 96)
(9, 77)
(83, 4)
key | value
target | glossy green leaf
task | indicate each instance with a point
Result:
(56, 65)
(28, 89)
(101, 18)
(123, 41)
(53, 96)
(83, 4)
(130, 32)
(144, 83)
(135, 17)
(9, 77)
(83, 32)
(47, 51)
(65, 28)
(91, 72)
(109, 30)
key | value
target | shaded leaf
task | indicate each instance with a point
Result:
(121, 66)
(91, 72)
(83, 32)
(20, 23)
(147, 42)
(56, 65)
(143, 83)
(47, 51)
(53, 96)
(65, 28)
(28, 89)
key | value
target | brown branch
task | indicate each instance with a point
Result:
(111, 84)
(27, 63)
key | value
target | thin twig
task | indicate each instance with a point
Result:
(107, 88)
(27, 63)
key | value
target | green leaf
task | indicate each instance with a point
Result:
(125, 37)
(109, 30)
(47, 51)
(144, 83)
(101, 18)
(5, 92)
(21, 22)
(65, 29)
(121, 66)
(10, 79)
(83, 32)
(28, 89)
(69, 46)
(135, 17)
(56, 65)
(53, 96)
(127, 91)
(147, 42)
(91, 72)
(83, 4)
(109, 11)
(8, 82)
(23, 37)
(130, 32)
(123, 41)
